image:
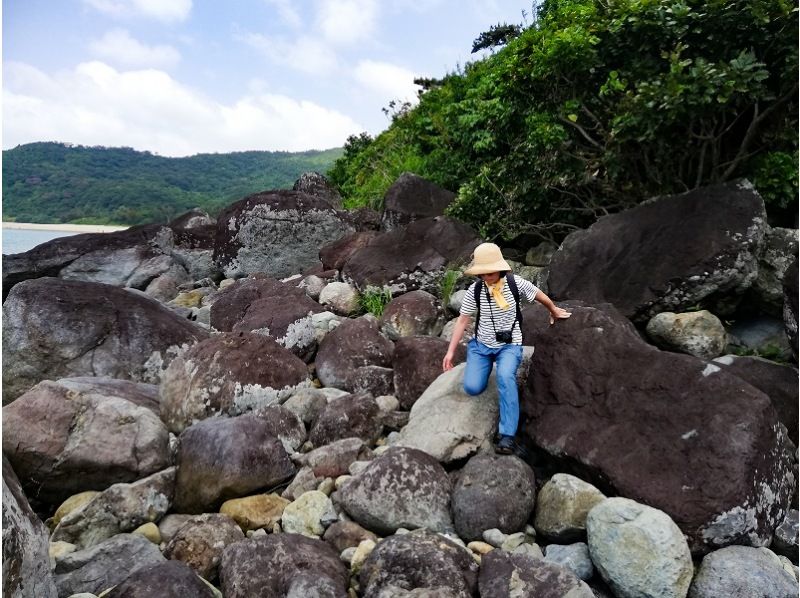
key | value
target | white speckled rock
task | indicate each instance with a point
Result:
(698, 333)
(562, 506)
(309, 514)
(341, 297)
(638, 550)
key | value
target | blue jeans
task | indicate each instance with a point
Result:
(476, 375)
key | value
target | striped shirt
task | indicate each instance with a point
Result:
(503, 318)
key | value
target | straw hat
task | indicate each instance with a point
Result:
(487, 258)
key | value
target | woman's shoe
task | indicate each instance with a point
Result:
(505, 446)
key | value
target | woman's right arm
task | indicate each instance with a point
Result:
(458, 331)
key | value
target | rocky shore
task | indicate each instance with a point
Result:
(205, 409)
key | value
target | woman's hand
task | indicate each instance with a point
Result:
(447, 362)
(558, 314)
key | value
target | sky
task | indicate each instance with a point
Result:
(181, 77)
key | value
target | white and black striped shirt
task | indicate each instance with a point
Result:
(503, 318)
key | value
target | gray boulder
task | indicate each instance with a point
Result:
(170, 579)
(352, 416)
(288, 565)
(421, 560)
(698, 333)
(372, 379)
(778, 253)
(411, 198)
(120, 508)
(56, 328)
(492, 492)
(313, 183)
(686, 417)
(401, 488)
(230, 373)
(786, 537)
(275, 232)
(574, 557)
(214, 464)
(506, 575)
(417, 313)
(562, 506)
(61, 442)
(353, 344)
(26, 566)
(200, 542)
(666, 254)
(104, 565)
(742, 572)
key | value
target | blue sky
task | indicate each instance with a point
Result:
(180, 77)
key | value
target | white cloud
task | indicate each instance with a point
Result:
(161, 10)
(387, 81)
(346, 22)
(303, 53)
(287, 12)
(120, 48)
(95, 104)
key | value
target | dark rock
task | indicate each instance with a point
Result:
(363, 218)
(402, 488)
(353, 344)
(230, 373)
(491, 492)
(194, 248)
(171, 579)
(26, 565)
(411, 198)
(200, 541)
(351, 416)
(275, 232)
(231, 304)
(417, 313)
(61, 441)
(417, 363)
(417, 560)
(372, 379)
(313, 183)
(60, 328)
(666, 254)
(414, 257)
(215, 464)
(778, 382)
(104, 565)
(347, 534)
(282, 565)
(504, 575)
(334, 255)
(194, 218)
(710, 451)
(790, 311)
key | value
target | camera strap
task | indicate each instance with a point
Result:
(512, 285)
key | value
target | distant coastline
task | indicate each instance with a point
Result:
(67, 228)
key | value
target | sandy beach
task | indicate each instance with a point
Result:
(67, 228)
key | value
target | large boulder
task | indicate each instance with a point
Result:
(417, 313)
(507, 575)
(104, 565)
(742, 572)
(413, 257)
(61, 442)
(698, 333)
(710, 451)
(417, 363)
(401, 488)
(138, 393)
(282, 565)
(638, 550)
(790, 300)
(562, 506)
(421, 560)
(56, 328)
(230, 373)
(778, 253)
(26, 566)
(353, 344)
(170, 579)
(666, 254)
(778, 382)
(352, 416)
(275, 232)
(492, 492)
(313, 183)
(223, 458)
(449, 424)
(334, 255)
(411, 198)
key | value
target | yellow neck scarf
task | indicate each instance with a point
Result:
(497, 292)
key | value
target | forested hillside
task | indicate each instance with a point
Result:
(56, 182)
(595, 106)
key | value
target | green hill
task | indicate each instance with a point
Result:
(58, 182)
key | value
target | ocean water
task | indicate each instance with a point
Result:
(18, 241)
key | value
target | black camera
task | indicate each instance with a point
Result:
(503, 336)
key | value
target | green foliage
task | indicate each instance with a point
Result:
(374, 300)
(598, 106)
(768, 351)
(448, 284)
(498, 35)
(56, 182)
